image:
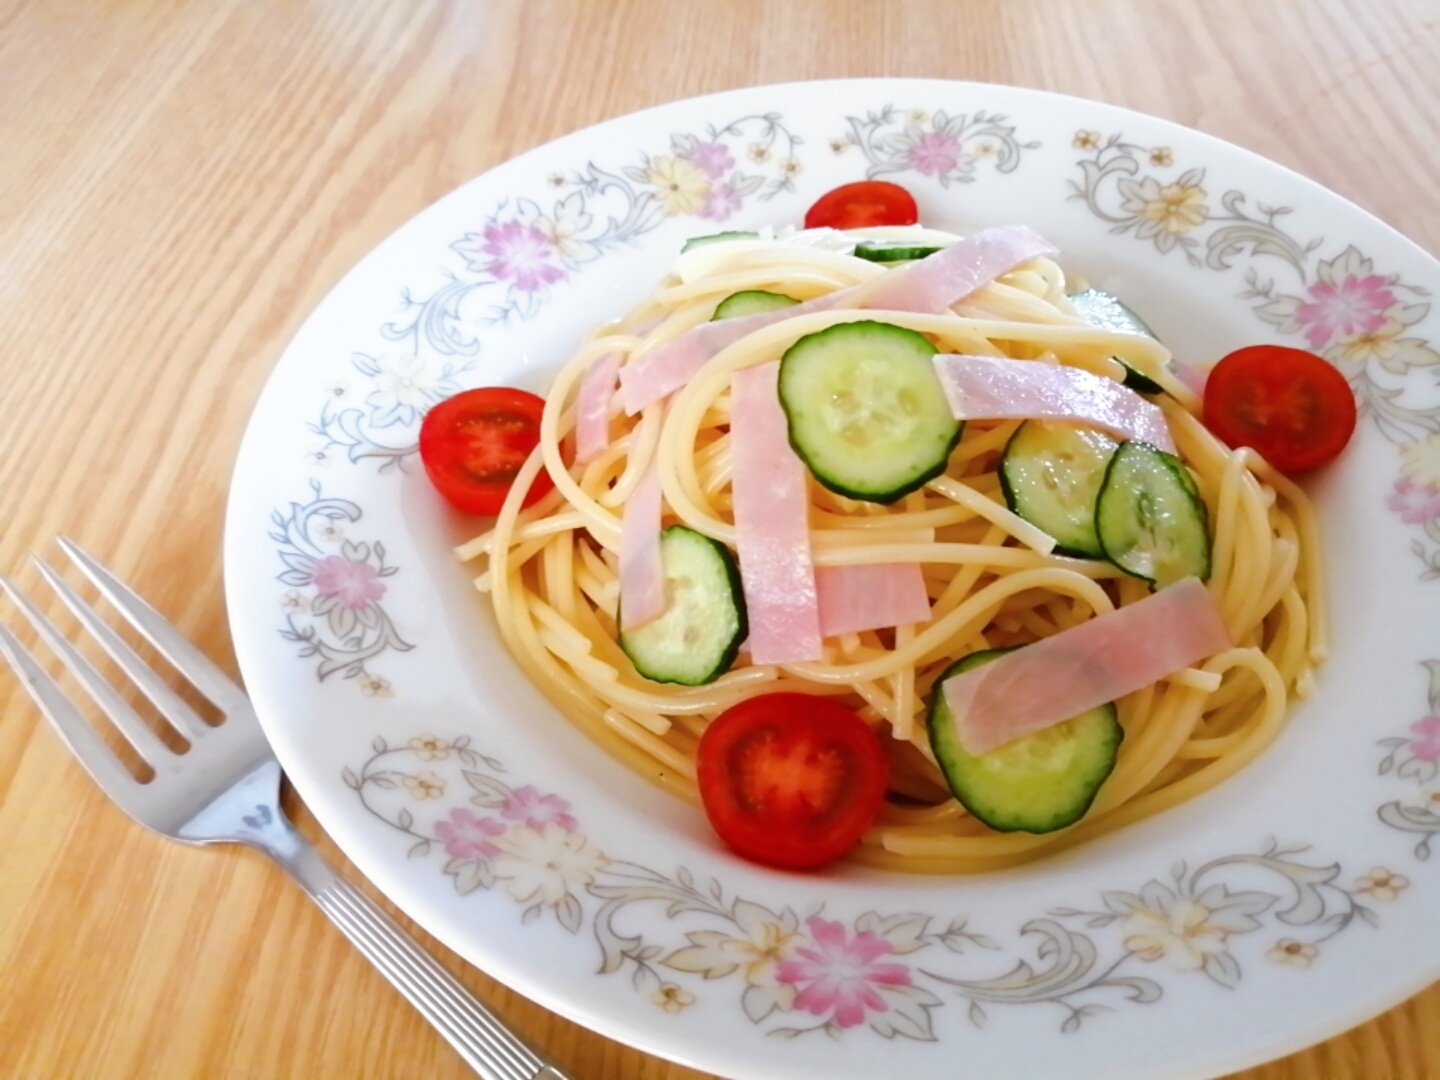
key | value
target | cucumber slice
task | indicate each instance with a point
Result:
(886, 251)
(1037, 784)
(751, 302)
(866, 411)
(1051, 475)
(1150, 518)
(1141, 384)
(1109, 313)
(717, 238)
(697, 638)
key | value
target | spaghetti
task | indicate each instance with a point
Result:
(992, 578)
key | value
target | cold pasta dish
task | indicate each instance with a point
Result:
(895, 544)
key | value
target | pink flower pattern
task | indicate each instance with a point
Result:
(935, 153)
(467, 835)
(536, 810)
(520, 254)
(1426, 746)
(1417, 504)
(712, 158)
(353, 583)
(840, 975)
(1357, 305)
(722, 201)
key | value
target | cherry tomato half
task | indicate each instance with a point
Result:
(474, 443)
(791, 780)
(1290, 405)
(862, 204)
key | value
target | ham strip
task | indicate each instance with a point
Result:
(772, 523)
(928, 285)
(651, 376)
(592, 408)
(984, 388)
(642, 574)
(870, 596)
(934, 283)
(1101, 660)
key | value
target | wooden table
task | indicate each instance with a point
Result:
(180, 183)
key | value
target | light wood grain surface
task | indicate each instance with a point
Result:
(180, 183)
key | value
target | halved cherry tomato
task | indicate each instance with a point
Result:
(791, 780)
(862, 204)
(1290, 405)
(474, 443)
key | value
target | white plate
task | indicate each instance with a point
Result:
(1294, 901)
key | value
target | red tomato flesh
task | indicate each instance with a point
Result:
(474, 443)
(863, 204)
(791, 780)
(1291, 406)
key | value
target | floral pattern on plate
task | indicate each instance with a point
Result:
(1415, 758)
(332, 609)
(800, 972)
(1357, 316)
(947, 147)
(523, 250)
(382, 421)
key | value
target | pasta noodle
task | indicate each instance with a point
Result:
(551, 570)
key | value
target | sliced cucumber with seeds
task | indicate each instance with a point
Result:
(698, 637)
(1051, 475)
(866, 411)
(886, 251)
(1150, 518)
(1038, 783)
(751, 302)
(1110, 313)
(718, 238)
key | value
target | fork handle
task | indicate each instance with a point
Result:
(480, 1037)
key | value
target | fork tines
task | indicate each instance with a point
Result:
(68, 721)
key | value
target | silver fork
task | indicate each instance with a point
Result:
(226, 788)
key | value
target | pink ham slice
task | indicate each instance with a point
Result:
(651, 376)
(642, 574)
(592, 408)
(930, 285)
(870, 597)
(986, 388)
(772, 524)
(1109, 656)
